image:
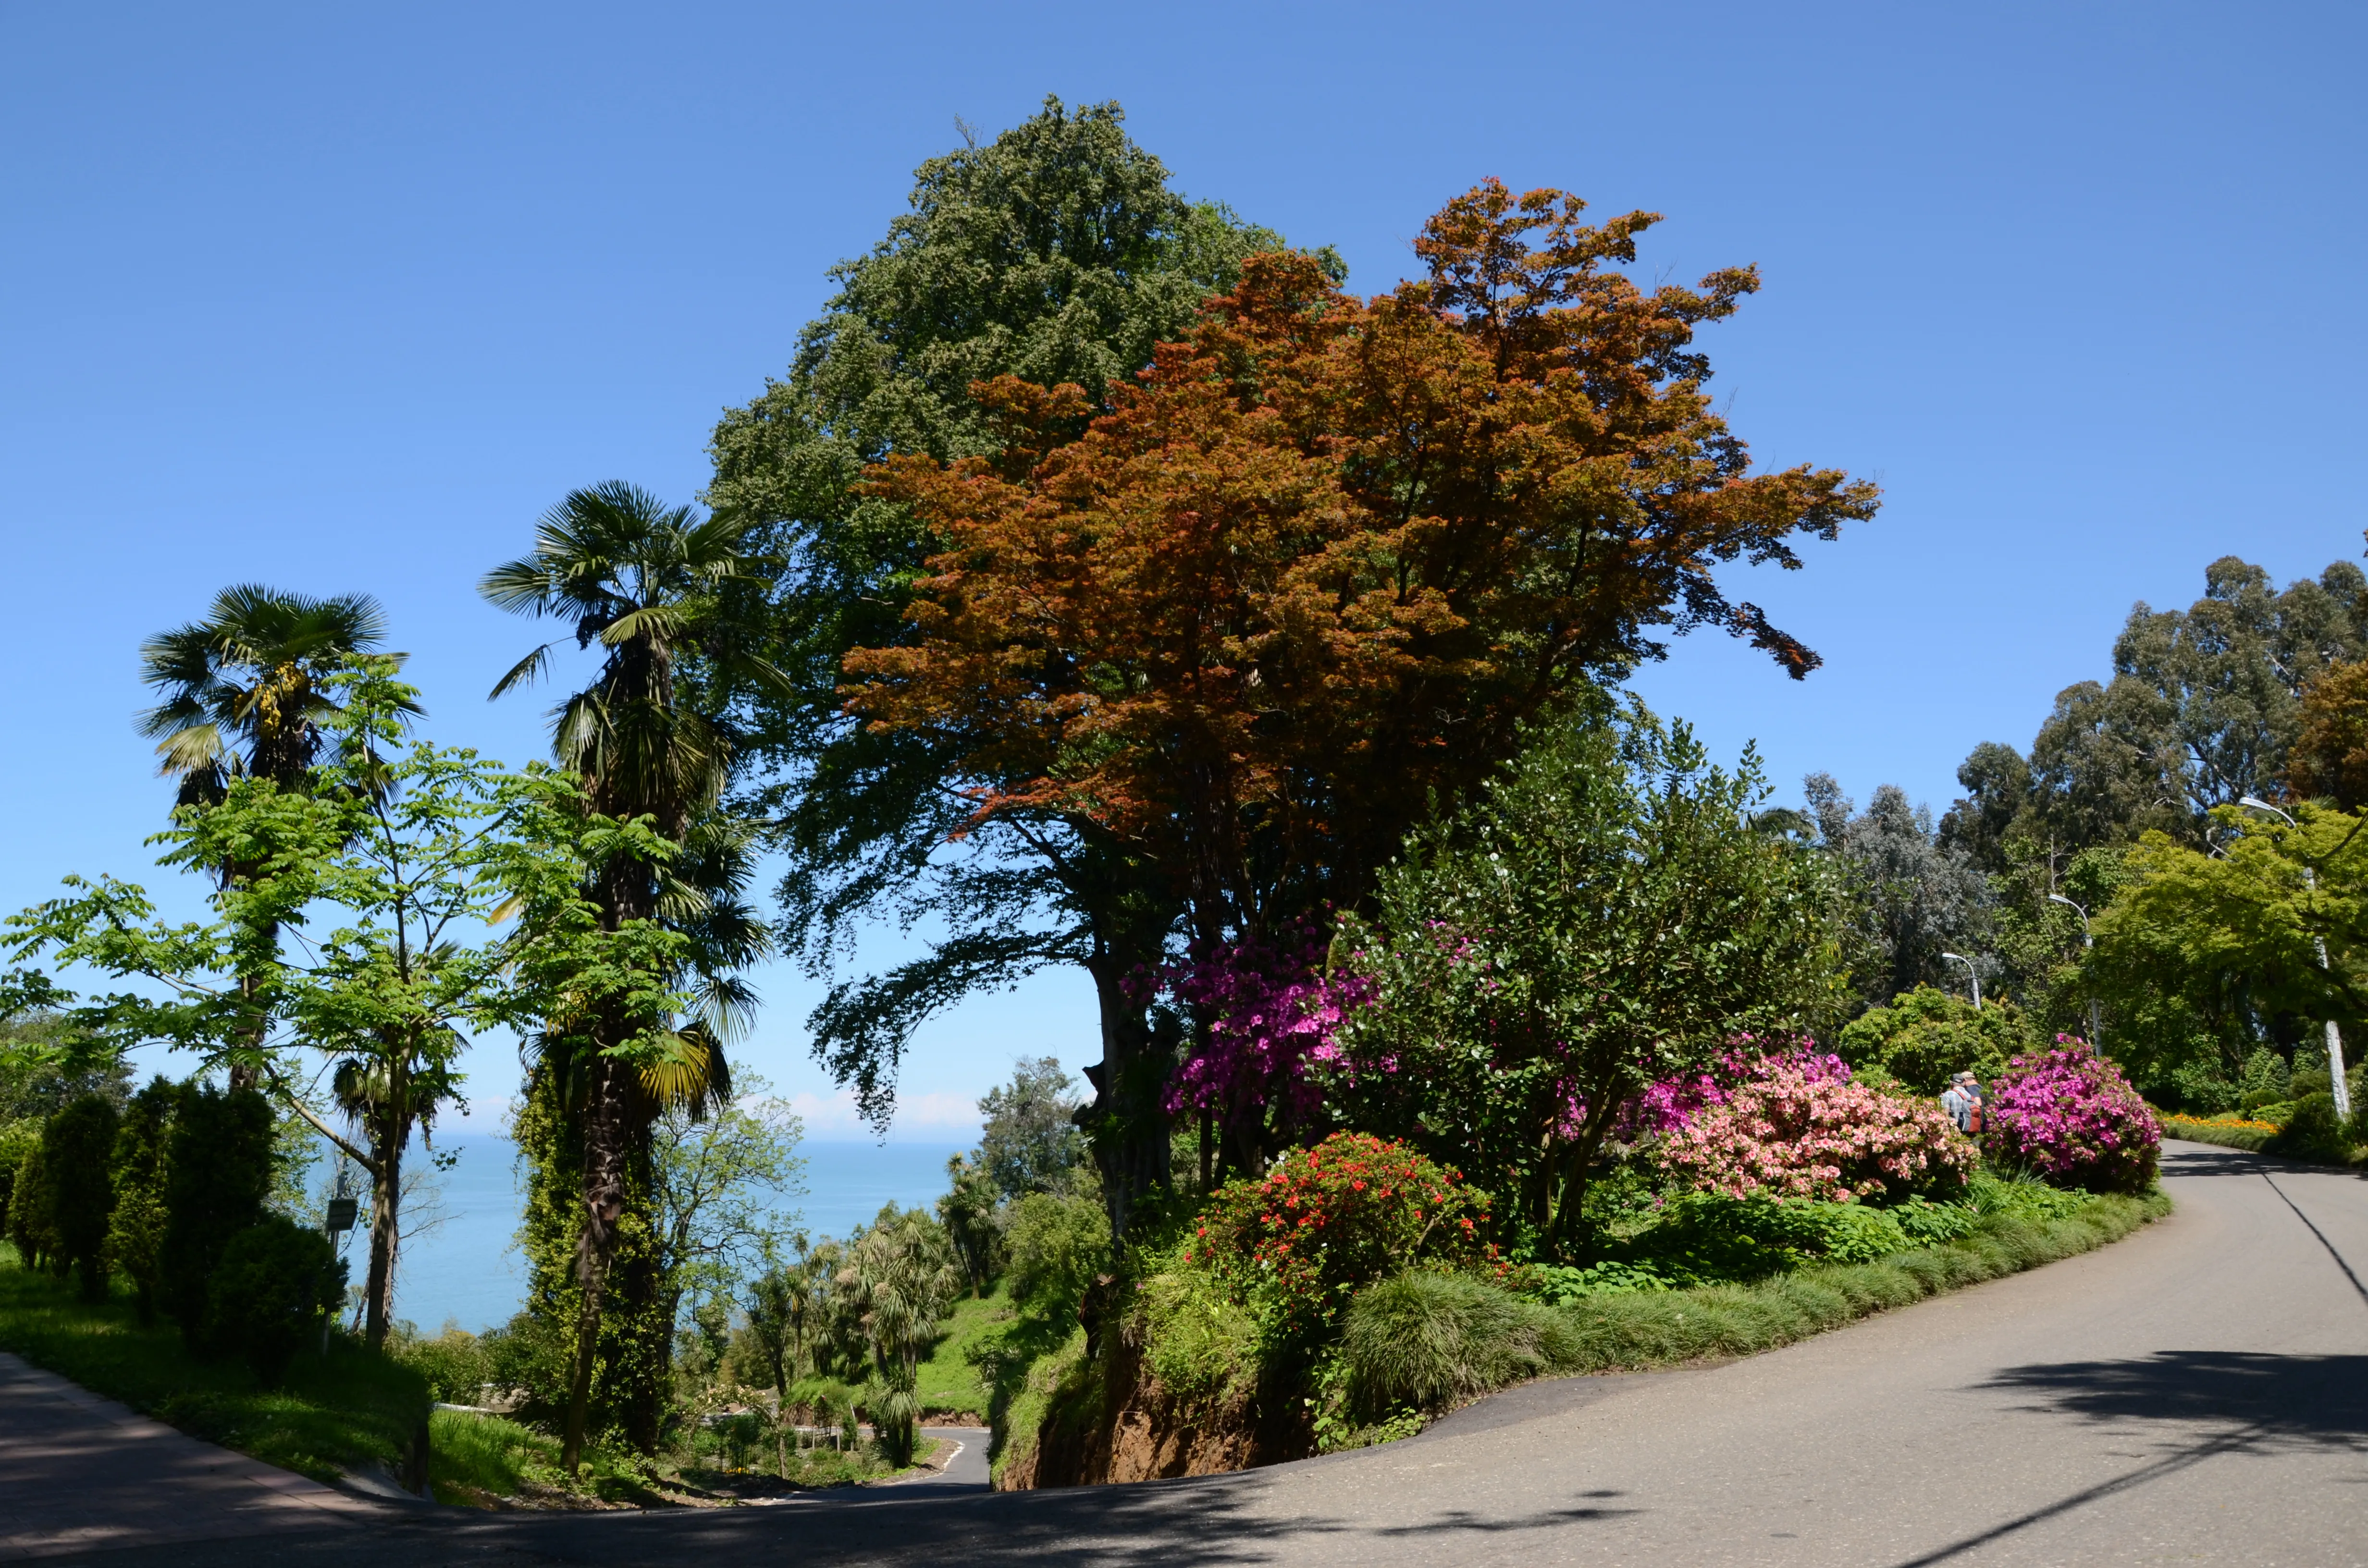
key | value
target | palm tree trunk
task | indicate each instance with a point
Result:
(605, 1130)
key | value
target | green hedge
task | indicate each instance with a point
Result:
(2248, 1138)
(1668, 1328)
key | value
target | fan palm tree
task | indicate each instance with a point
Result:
(241, 693)
(640, 580)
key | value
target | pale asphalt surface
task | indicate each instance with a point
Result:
(2192, 1394)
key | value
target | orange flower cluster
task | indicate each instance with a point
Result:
(1335, 1218)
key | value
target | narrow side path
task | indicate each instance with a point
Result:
(82, 1473)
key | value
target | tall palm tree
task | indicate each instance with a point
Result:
(241, 693)
(641, 579)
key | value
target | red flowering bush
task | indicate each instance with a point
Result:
(1799, 1130)
(2071, 1119)
(1329, 1219)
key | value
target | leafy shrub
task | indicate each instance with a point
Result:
(2314, 1132)
(2071, 1119)
(135, 1231)
(2263, 1080)
(1057, 1242)
(1794, 1133)
(1708, 1238)
(1925, 1036)
(266, 1297)
(1992, 1197)
(455, 1363)
(32, 1224)
(531, 1358)
(1332, 1219)
(77, 1147)
(218, 1172)
(1201, 1343)
(1428, 1340)
(1558, 1285)
(1924, 1223)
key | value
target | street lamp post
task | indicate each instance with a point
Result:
(1971, 973)
(2318, 944)
(2088, 941)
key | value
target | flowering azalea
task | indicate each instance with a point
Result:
(2071, 1118)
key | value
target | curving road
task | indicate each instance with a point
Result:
(2198, 1393)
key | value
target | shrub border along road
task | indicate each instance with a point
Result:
(2252, 1140)
(1719, 1322)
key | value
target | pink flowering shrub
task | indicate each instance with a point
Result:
(1672, 1104)
(1799, 1130)
(2071, 1119)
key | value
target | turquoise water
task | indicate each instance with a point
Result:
(469, 1270)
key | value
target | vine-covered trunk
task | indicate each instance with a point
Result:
(605, 1130)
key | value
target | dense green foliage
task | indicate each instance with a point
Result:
(329, 1416)
(1603, 916)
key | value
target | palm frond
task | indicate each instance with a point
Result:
(525, 672)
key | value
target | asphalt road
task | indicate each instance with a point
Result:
(2198, 1393)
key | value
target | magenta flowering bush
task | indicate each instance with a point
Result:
(2069, 1117)
(1272, 1013)
(1797, 1126)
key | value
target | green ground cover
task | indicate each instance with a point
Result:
(949, 1382)
(329, 1417)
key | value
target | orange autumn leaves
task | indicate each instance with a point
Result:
(1315, 569)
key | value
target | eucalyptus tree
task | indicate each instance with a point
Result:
(245, 693)
(641, 581)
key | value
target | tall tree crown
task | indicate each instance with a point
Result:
(243, 690)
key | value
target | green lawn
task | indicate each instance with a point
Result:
(948, 1383)
(331, 1416)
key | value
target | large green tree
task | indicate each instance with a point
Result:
(1606, 914)
(1059, 251)
(2203, 707)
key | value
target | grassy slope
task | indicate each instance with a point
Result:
(948, 1383)
(329, 1417)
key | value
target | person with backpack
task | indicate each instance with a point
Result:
(1963, 1101)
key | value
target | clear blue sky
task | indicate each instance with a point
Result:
(340, 297)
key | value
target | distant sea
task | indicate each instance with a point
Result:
(468, 1268)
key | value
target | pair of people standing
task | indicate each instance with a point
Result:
(1963, 1101)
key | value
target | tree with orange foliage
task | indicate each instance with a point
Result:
(1321, 566)
(1316, 572)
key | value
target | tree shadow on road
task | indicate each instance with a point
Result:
(2283, 1401)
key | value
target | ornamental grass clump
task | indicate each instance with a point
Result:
(1352, 1209)
(1810, 1131)
(2069, 1117)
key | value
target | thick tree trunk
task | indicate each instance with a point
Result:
(1129, 1125)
